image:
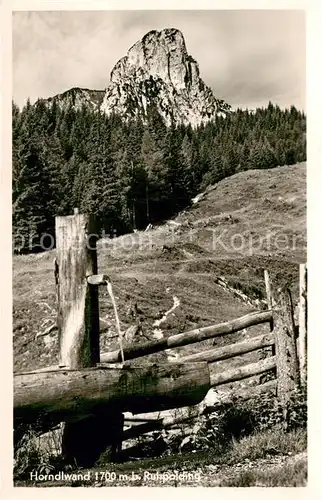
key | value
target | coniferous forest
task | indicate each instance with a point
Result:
(132, 173)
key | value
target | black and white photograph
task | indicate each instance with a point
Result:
(159, 248)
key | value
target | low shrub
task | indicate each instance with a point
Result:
(267, 411)
(238, 419)
(37, 453)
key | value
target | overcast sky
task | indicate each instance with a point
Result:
(246, 57)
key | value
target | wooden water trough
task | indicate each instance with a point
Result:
(64, 395)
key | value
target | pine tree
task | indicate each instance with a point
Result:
(156, 174)
(32, 216)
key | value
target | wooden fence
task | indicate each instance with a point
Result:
(90, 393)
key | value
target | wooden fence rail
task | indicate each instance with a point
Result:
(231, 350)
(242, 372)
(190, 337)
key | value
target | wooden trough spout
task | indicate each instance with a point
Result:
(98, 279)
(64, 395)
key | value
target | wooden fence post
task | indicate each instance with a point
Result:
(287, 367)
(268, 351)
(268, 290)
(270, 300)
(302, 340)
(78, 325)
(78, 316)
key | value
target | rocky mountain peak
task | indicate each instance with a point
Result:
(161, 54)
(157, 70)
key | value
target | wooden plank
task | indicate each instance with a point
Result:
(189, 337)
(243, 372)
(78, 317)
(64, 394)
(223, 396)
(243, 394)
(287, 367)
(302, 340)
(232, 350)
(187, 414)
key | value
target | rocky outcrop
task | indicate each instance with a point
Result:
(158, 71)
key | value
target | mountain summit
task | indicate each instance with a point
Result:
(157, 72)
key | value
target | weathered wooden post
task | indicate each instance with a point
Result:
(268, 351)
(268, 290)
(287, 367)
(302, 340)
(270, 300)
(78, 324)
(78, 316)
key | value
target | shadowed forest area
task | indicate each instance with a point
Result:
(132, 173)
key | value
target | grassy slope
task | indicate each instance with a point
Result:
(152, 267)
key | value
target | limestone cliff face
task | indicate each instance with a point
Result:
(158, 70)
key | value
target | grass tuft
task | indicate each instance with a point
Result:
(288, 475)
(269, 442)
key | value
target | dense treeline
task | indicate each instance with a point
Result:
(130, 174)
